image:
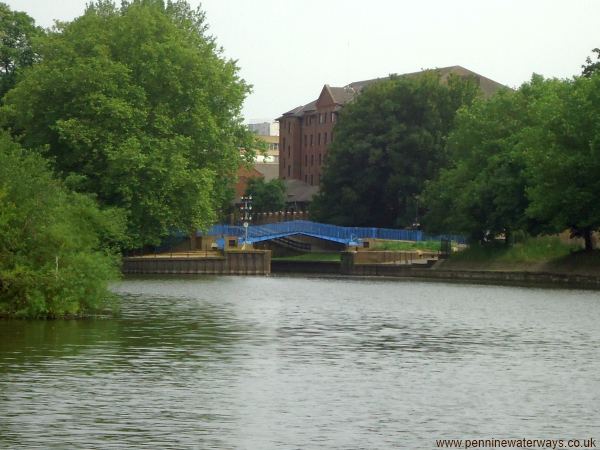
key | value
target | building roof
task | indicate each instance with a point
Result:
(342, 95)
(488, 86)
(298, 191)
(269, 171)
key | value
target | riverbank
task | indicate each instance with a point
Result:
(578, 270)
(573, 263)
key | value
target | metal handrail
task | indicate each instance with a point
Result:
(327, 230)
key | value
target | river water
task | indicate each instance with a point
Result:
(305, 363)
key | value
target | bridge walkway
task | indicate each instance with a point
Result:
(351, 236)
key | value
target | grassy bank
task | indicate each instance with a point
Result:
(541, 254)
(432, 246)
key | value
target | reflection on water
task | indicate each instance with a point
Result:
(304, 363)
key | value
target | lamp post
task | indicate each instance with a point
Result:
(416, 224)
(246, 215)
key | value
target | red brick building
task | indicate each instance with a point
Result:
(306, 131)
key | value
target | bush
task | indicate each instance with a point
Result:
(57, 248)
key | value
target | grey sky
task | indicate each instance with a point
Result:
(288, 50)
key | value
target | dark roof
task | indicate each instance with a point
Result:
(342, 95)
(298, 191)
(487, 86)
(269, 171)
(292, 111)
(300, 110)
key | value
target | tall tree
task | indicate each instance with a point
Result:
(388, 142)
(482, 192)
(137, 105)
(564, 155)
(591, 66)
(17, 30)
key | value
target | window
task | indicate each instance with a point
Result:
(319, 139)
(311, 140)
(332, 117)
(320, 161)
(283, 142)
(305, 141)
(325, 139)
(289, 170)
(324, 117)
(289, 149)
(306, 160)
(290, 125)
(284, 163)
(321, 118)
(312, 160)
(311, 180)
(306, 178)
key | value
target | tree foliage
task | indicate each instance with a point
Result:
(482, 192)
(526, 160)
(17, 31)
(267, 196)
(591, 66)
(56, 247)
(136, 105)
(564, 156)
(388, 142)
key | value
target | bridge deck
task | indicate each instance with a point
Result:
(343, 235)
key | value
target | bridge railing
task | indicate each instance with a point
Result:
(322, 229)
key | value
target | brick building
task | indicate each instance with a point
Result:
(305, 132)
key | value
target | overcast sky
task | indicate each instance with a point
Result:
(289, 50)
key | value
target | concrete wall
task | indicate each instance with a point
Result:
(313, 267)
(348, 266)
(253, 262)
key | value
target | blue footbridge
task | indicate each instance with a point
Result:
(349, 236)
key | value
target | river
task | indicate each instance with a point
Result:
(305, 363)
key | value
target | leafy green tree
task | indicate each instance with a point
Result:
(137, 105)
(564, 155)
(591, 66)
(57, 249)
(388, 142)
(523, 161)
(267, 196)
(483, 192)
(17, 31)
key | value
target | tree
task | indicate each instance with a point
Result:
(137, 106)
(17, 31)
(388, 142)
(57, 249)
(564, 155)
(590, 66)
(267, 196)
(483, 191)
(527, 161)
